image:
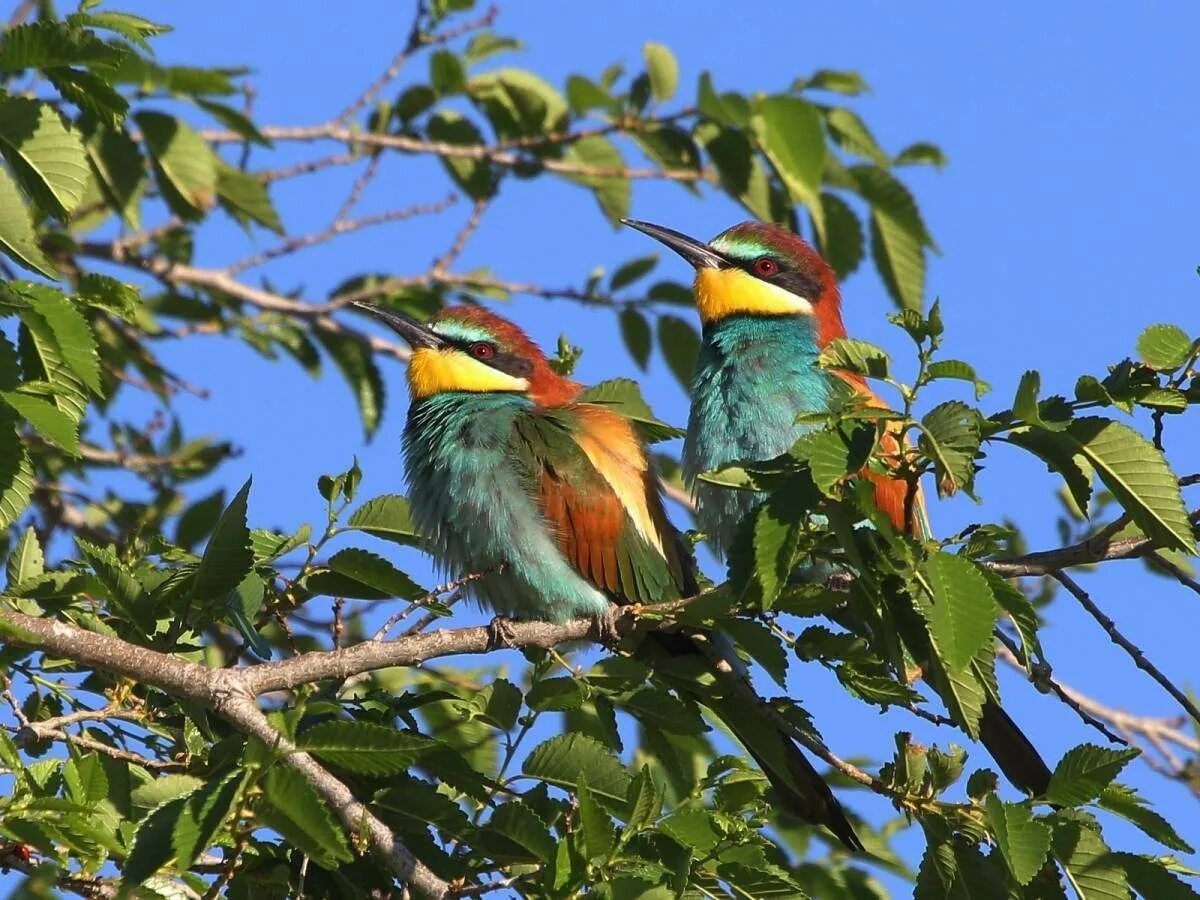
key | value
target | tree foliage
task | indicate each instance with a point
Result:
(177, 724)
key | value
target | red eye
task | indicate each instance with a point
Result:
(765, 267)
(482, 350)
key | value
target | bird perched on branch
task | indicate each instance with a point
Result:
(769, 303)
(518, 472)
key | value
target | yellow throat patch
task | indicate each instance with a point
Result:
(725, 292)
(439, 371)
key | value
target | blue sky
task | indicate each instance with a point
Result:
(1066, 221)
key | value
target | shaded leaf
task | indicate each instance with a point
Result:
(388, 516)
(45, 156)
(364, 748)
(227, 557)
(1022, 839)
(363, 575)
(296, 811)
(1084, 772)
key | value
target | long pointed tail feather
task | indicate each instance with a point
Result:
(1013, 752)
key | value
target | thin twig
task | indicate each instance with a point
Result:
(1127, 645)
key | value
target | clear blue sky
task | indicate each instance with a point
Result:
(1066, 220)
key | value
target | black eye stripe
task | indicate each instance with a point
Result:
(788, 276)
(509, 363)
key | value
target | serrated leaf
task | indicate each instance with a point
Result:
(388, 516)
(1061, 454)
(624, 396)
(164, 789)
(204, 812)
(963, 612)
(119, 170)
(1164, 347)
(1125, 802)
(64, 342)
(1084, 771)
(186, 165)
(663, 69)
(303, 818)
(227, 557)
(358, 367)
(851, 355)
(1152, 878)
(44, 155)
(363, 575)
(599, 836)
(561, 694)
(656, 708)
(26, 559)
(85, 779)
(1140, 478)
(47, 419)
(851, 133)
(950, 435)
(45, 44)
(1094, 870)
(1022, 839)
(500, 702)
(364, 748)
(17, 237)
(525, 835)
(680, 345)
(898, 235)
(763, 645)
(957, 369)
(152, 842)
(644, 800)
(843, 244)
(16, 474)
(563, 759)
(789, 130)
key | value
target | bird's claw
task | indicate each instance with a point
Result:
(604, 628)
(500, 634)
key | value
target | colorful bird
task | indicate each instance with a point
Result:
(769, 303)
(513, 473)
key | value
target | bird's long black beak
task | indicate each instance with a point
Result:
(698, 253)
(416, 333)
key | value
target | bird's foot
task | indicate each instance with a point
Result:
(604, 628)
(501, 635)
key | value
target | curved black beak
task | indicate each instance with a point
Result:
(698, 253)
(416, 333)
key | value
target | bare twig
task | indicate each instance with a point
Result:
(339, 227)
(356, 190)
(1127, 645)
(443, 263)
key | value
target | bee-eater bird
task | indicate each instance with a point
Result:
(512, 474)
(768, 304)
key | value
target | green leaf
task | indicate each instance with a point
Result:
(119, 170)
(644, 800)
(855, 356)
(655, 708)
(1154, 880)
(762, 644)
(1094, 870)
(584, 94)
(47, 419)
(963, 612)
(1164, 347)
(133, 28)
(1139, 477)
(556, 694)
(46, 44)
(303, 818)
(228, 556)
(680, 345)
(486, 44)
(45, 156)
(163, 789)
(92, 94)
(64, 342)
(152, 846)
(472, 175)
(898, 234)
(632, 270)
(564, 759)
(1061, 454)
(1022, 839)
(365, 576)
(950, 436)
(843, 243)
(364, 748)
(16, 475)
(185, 164)
(500, 703)
(790, 132)
(17, 237)
(388, 516)
(204, 812)
(357, 365)
(85, 779)
(612, 189)
(663, 69)
(921, 154)
(234, 120)
(852, 135)
(635, 331)
(623, 395)
(525, 836)
(26, 559)
(957, 369)
(1084, 772)
(245, 196)
(840, 81)
(1125, 802)
(599, 837)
